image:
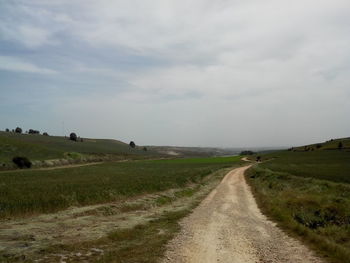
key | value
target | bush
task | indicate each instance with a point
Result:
(132, 144)
(340, 145)
(18, 130)
(31, 131)
(73, 137)
(45, 134)
(22, 162)
(7, 130)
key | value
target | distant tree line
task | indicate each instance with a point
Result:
(247, 153)
(30, 131)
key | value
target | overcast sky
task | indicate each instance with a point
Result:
(178, 72)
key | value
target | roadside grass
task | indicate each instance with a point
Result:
(316, 211)
(24, 193)
(144, 243)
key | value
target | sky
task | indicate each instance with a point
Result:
(225, 73)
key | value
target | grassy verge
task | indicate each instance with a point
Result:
(317, 211)
(30, 192)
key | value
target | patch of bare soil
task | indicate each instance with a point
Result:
(229, 227)
(28, 238)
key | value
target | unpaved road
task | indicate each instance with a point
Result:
(228, 227)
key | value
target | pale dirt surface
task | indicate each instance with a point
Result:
(25, 238)
(229, 227)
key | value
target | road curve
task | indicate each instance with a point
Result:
(229, 227)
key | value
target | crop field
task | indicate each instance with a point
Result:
(308, 194)
(333, 165)
(31, 192)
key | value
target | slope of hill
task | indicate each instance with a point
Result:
(39, 147)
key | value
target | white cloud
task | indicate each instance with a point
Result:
(16, 64)
(188, 67)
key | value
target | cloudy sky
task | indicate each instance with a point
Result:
(178, 72)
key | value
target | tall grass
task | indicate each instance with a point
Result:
(317, 211)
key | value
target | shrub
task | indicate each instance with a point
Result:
(22, 162)
(318, 146)
(31, 131)
(18, 130)
(258, 158)
(340, 145)
(73, 137)
(132, 144)
(45, 134)
(7, 130)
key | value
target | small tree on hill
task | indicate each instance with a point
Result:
(7, 130)
(132, 144)
(340, 145)
(18, 130)
(45, 134)
(22, 162)
(73, 137)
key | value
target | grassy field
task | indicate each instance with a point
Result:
(308, 194)
(29, 192)
(326, 164)
(39, 147)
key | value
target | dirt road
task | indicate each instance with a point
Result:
(228, 227)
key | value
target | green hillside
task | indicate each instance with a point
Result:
(332, 144)
(39, 147)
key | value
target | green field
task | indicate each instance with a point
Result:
(29, 192)
(39, 147)
(308, 194)
(326, 164)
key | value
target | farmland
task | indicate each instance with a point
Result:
(132, 202)
(29, 192)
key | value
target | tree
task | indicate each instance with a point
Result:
(45, 134)
(22, 162)
(73, 137)
(340, 145)
(18, 130)
(132, 144)
(258, 159)
(7, 130)
(318, 146)
(31, 131)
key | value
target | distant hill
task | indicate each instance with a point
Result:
(333, 144)
(40, 147)
(193, 151)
